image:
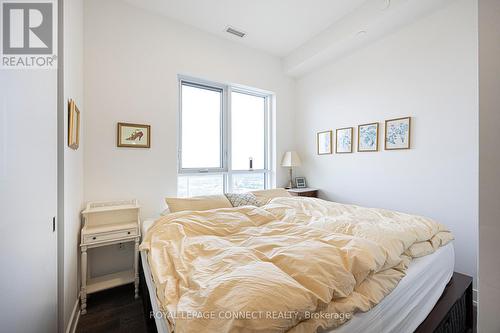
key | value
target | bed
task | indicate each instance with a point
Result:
(402, 310)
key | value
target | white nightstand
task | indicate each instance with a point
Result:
(107, 223)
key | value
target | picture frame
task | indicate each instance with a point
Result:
(368, 137)
(343, 140)
(73, 125)
(324, 142)
(133, 135)
(300, 182)
(397, 134)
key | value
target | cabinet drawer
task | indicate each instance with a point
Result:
(312, 194)
(101, 237)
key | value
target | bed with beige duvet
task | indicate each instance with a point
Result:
(294, 265)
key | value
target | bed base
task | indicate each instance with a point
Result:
(146, 302)
(453, 312)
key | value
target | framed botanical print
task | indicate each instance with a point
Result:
(73, 125)
(368, 137)
(324, 143)
(134, 135)
(397, 133)
(343, 140)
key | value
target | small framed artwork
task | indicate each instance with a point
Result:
(73, 125)
(368, 137)
(324, 143)
(397, 133)
(343, 140)
(300, 182)
(134, 135)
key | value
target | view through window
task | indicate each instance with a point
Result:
(224, 139)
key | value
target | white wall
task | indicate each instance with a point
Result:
(489, 164)
(73, 159)
(427, 70)
(132, 59)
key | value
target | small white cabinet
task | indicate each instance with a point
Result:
(107, 223)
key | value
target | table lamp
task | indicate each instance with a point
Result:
(290, 159)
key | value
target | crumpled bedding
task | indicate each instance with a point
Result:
(294, 265)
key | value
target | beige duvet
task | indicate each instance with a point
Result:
(294, 265)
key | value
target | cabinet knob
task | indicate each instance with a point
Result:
(93, 238)
(128, 233)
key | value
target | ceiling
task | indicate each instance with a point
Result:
(274, 26)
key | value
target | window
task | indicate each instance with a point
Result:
(194, 185)
(201, 127)
(223, 139)
(248, 123)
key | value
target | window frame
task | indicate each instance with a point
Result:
(226, 132)
(223, 117)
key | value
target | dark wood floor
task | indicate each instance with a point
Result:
(113, 311)
(116, 311)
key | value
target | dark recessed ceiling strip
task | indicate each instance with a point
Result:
(235, 32)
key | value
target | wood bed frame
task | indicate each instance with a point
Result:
(453, 313)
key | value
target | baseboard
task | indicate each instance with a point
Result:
(75, 316)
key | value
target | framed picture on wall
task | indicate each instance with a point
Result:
(368, 137)
(324, 143)
(343, 140)
(397, 133)
(133, 135)
(73, 125)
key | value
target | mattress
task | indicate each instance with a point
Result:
(401, 311)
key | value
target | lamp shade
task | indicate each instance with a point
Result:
(290, 159)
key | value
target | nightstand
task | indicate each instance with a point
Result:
(108, 223)
(303, 192)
